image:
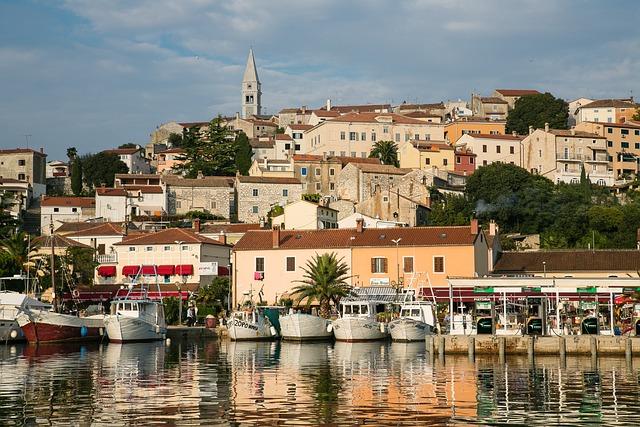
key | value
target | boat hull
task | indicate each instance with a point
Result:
(408, 330)
(304, 327)
(45, 326)
(7, 327)
(127, 329)
(354, 329)
(239, 330)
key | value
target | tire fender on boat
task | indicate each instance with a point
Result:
(84, 331)
(75, 293)
(329, 328)
(273, 331)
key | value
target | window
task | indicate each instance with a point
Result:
(342, 135)
(445, 162)
(132, 248)
(255, 192)
(353, 154)
(408, 264)
(21, 162)
(625, 144)
(332, 153)
(297, 147)
(317, 171)
(178, 204)
(470, 160)
(498, 149)
(254, 209)
(427, 161)
(484, 148)
(353, 136)
(303, 171)
(332, 186)
(458, 160)
(287, 146)
(427, 137)
(637, 132)
(609, 130)
(74, 209)
(184, 248)
(343, 153)
(21, 176)
(260, 264)
(416, 136)
(332, 171)
(148, 248)
(407, 137)
(291, 263)
(609, 143)
(624, 131)
(438, 264)
(373, 136)
(397, 137)
(637, 145)
(318, 186)
(385, 129)
(484, 163)
(363, 154)
(512, 150)
(363, 136)
(285, 192)
(378, 265)
(166, 248)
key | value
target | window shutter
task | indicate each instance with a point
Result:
(384, 265)
(373, 265)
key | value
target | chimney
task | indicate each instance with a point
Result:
(530, 130)
(328, 104)
(304, 109)
(514, 133)
(222, 238)
(265, 162)
(261, 222)
(359, 225)
(237, 115)
(475, 229)
(493, 228)
(200, 175)
(42, 150)
(195, 224)
(275, 236)
(546, 127)
(573, 131)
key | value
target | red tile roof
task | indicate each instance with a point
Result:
(517, 92)
(283, 137)
(359, 108)
(338, 159)
(262, 123)
(207, 181)
(103, 191)
(350, 237)
(300, 127)
(21, 151)
(421, 114)
(381, 169)
(58, 241)
(324, 113)
(627, 124)
(431, 146)
(193, 124)
(436, 106)
(267, 180)
(72, 227)
(168, 236)
(577, 133)
(492, 100)
(488, 136)
(99, 229)
(145, 189)
(228, 228)
(614, 103)
(83, 202)
(377, 118)
(123, 150)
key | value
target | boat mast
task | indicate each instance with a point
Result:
(53, 270)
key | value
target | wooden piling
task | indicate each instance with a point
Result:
(628, 351)
(441, 347)
(502, 347)
(472, 348)
(531, 348)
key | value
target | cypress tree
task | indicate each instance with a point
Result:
(76, 177)
(243, 153)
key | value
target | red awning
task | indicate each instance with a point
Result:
(223, 271)
(130, 270)
(165, 270)
(107, 270)
(149, 270)
(184, 269)
(154, 295)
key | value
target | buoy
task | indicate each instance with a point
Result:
(75, 293)
(168, 342)
(84, 331)
(157, 329)
(329, 328)
(14, 334)
(101, 331)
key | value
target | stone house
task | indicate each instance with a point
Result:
(319, 174)
(211, 194)
(359, 181)
(25, 165)
(255, 196)
(489, 107)
(294, 116)
(512, 95)
(263, 148)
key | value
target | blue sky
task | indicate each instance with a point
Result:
(95, 74)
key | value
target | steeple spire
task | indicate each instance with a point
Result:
(251, 89)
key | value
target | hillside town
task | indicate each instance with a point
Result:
(253, 200)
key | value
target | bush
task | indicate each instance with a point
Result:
(171, 310)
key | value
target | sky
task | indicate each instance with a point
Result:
(96, 74)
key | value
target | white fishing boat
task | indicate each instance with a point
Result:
(416, 321)
(358, 322)
(251, 324)
(11, 303)
(135, 320)
(305, 327)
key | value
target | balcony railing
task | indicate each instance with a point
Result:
(581, 157)
(107, 258)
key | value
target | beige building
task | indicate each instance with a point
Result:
(359, 181)
(512, 95)
(454, 130)
(251, 126)
(57, 210)
(25, 165)
(304, 215)
(319, 174)
(623, 145)
(211, 194)
(607, 111)
(166, 160)
(489, 107)
(416, 154)
(229, 233)
(256, 196)
(493, 148)
(560, 155)
(354, 134)
(294, 116)
(272, 168)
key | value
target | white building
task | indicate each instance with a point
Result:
(369, 222)
(606, 111)
(251, 93)
(304, 215)
(115, 204)
(133, 158)
(493, 148)
(56, 210)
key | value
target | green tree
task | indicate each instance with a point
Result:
(128, 145)
(450, 209)
(312, 197)
(325, 281)
(72, 152)
(636, 115)
(243, 153)
(174, 140)
(214, 295)
(81, 265)
(76, 176)
(213, 154)
(101, 168)
(386, 151)
(7, 221)
(15, 249)
(536, 110)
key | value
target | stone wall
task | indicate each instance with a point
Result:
(268, 195)
(215, 200)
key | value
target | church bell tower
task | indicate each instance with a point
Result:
(251, 89)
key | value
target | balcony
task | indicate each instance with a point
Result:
(599, 158)
(107, 258)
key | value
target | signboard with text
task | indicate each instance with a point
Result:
(208, 268)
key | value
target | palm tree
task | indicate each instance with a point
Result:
(324, 281)
(386, 151)
(72, 152)
(15, 248)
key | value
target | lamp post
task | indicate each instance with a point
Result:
(179, 243)
(544, 269)
(397, 242)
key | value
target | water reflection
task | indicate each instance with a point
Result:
(267, 383)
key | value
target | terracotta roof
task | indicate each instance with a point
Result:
(488, 136)
(267, 180)
(294, 110)
(492, 100)
(627, 124)
(103, 191)
(172, 151)
(207, 181)
(577, 133)
(72, 226)
(324, 113)
(168, 236)
(145, 189)
(283, 137)
(256, 143)
(475, 119)
(21, 151)
(431, 146)
(377, 118)
(517, 92)
(569, 260)
(122, 150)
(300, 127)
(83, 202)
(381, 169)
(98, 229)
(359, 108)
(350, 237)
(436, 106)
(421, 114)
(614, 103)
(137, 175)
(262, 122)
(228, 228)
(58, 242)
(344, 160)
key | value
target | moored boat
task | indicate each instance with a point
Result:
(42, 325)
(357, 322)
(305, 327)
(135, 320)
(251, 324)
(416, 321)
(10, 305)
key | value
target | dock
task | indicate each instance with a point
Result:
(191, 332)
(531, 345)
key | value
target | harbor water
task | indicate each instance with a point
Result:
(212, 382)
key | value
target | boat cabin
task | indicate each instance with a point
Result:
(136, 308)
(362, 308)
(421, 312)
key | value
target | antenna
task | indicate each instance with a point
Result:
(26, 137)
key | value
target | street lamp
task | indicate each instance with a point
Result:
(544, 268)
(397, 242)
(179, 243)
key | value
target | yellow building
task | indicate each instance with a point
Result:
(426, 155)
(454, 130)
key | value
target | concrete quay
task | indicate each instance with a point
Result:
(191, 332)
(593, 345)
